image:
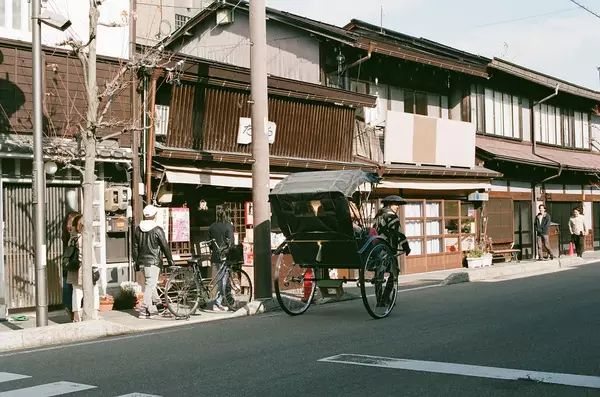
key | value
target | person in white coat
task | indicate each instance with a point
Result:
(578, 230)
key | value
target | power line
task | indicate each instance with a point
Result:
(525, 18)
(585, 8)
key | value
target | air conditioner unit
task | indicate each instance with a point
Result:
(225, 17)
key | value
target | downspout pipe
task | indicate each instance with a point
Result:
(534, 147)
(358, 61)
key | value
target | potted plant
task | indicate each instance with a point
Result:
(128, 295)
(479, 256)
(106, 303)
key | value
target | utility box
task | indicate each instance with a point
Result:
(117, 224)
(116, 198)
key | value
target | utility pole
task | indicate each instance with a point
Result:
(39, 198)
(260, 150)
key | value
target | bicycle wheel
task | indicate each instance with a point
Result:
(379, 281)
(239, 290)
(182, 293)
(294, 286)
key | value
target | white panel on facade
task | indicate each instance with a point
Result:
(523, 187)
(526, 124)
(399, 136)
(552, 124)
(489, 111)
(499, 185)
(455, 143)
(573, 189)
(536, 123)
(544, 122)
(586, 131)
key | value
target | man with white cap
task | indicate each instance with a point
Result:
(149, 243)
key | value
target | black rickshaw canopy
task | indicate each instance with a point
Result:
(345, 182)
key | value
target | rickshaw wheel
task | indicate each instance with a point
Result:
(294, 286)
(379, 281)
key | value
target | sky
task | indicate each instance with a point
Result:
(555, 37)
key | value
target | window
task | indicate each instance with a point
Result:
(559, 126)
(180, 20)
(438, 226)
(426, 104)
(15, 14)
(497, 113)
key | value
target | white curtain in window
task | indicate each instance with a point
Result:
(498, 123)
(578, 130)
(552, 124)
(413, 228)
(515, 117)
(489, 111)
(433, 228)
(444, 109)
(507, 115)
(416, 247)
(433, 105)
(412, 210)
(432, 210)
(586, 131)
(544, 123)
(526, 112)
(434, 246)
(537, 115)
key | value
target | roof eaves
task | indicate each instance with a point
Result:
(543, 79)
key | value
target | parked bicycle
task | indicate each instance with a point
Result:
(186, 289)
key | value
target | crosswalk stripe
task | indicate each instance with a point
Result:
(7, 377)
(466, 370)
(47, 390)
(139, 395)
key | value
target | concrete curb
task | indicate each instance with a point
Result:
(60, 334)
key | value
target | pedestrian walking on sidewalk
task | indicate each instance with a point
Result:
(578, 230)
(221, 231)
(67, 232)
(542, 231)
(149, 244)
(75, 277)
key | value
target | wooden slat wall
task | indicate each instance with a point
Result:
(65, 97)
(207, 118)
(500, 225)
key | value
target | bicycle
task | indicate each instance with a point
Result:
(186, 289)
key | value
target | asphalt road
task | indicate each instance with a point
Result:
(548, 323)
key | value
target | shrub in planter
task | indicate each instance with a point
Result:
(127, 297)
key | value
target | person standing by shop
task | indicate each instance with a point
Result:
(542, 231)
(222, 232)
(75, 277)
(149, 244)
(67, 233)
(578, 230)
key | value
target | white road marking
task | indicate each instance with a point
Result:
(7, 377)
(47, 390)
(466, 370)
(139, 395)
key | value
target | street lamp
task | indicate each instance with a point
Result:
(39, 199)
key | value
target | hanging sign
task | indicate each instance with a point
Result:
(245, 131)
(477, 196)
(180, 225)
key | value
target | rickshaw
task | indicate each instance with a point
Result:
(323, 216)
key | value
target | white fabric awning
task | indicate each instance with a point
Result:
(435, 185)
(211, 177)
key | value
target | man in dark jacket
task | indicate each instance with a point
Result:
(542, 227)
(387, 224)
(222, 232)
(149, 243)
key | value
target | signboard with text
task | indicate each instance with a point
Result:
(245, 131)
(180, 225)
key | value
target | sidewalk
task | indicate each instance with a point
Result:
(16, 335)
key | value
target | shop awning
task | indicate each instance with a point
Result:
(214, 177)
(546, 156)
(417, 185)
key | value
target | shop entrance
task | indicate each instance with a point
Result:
(523, 233)
(560, 212)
